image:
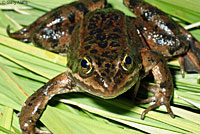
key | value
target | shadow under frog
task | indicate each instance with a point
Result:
(108, 52)
(105, 104)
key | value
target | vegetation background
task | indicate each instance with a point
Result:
(24, 68)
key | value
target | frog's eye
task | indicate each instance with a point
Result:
(85, 66)
(127, 63)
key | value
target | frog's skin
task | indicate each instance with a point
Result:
(107, 52)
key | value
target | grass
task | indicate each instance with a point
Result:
(24, 68)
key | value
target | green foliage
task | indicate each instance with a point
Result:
(24, 68)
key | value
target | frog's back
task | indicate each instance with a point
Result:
(105, 34)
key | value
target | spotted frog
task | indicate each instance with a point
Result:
(108, 52)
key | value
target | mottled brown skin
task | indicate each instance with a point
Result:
(53, 30)
(35, 104)
(107, 52)
(102, 35)
(163, 89)
(164, 35)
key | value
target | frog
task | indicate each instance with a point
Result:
(108, 53)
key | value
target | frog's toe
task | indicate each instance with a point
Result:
(149, 109)
(190, 62)
(143, 101)
(169, 110)
(159, 99)
(8, 30)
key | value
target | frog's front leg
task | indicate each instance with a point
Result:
(35, 104)
(163, 89)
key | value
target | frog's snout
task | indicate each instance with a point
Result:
(111, 81)
(106, 75)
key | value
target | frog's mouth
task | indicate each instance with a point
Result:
(104, 88)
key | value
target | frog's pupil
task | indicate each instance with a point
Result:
(84, 63)
(128, 60)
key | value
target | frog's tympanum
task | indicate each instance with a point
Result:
(108, 52)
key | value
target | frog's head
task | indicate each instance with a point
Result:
(105, 62)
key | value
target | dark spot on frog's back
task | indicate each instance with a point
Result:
(95, 31)
(102, 44)
(91, 26)
(98, 60)
(98, 30)
(94, 19)
(117, 30)
(100, 36)
(107, 65)
(109, 55)
(114, 44)
(88, 39)
(93, 51)
(114, 17)
(113, 66)
(107, 70)
(87, 47)
(108, 24)
(104, 16)
(92, 41)
(103, 74)
(114, 51)
(81, 7)
(113, 36)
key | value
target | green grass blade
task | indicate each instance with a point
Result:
(6, 131)
(124, 106)
(34, 51)
(179, 10)
(6, 120)
(75, 124)
(10, 81)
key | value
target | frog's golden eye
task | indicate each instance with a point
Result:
(85, 65)
(127, 63)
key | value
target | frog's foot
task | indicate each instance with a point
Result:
(190, 62)
(22, 35)
(159, 99)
